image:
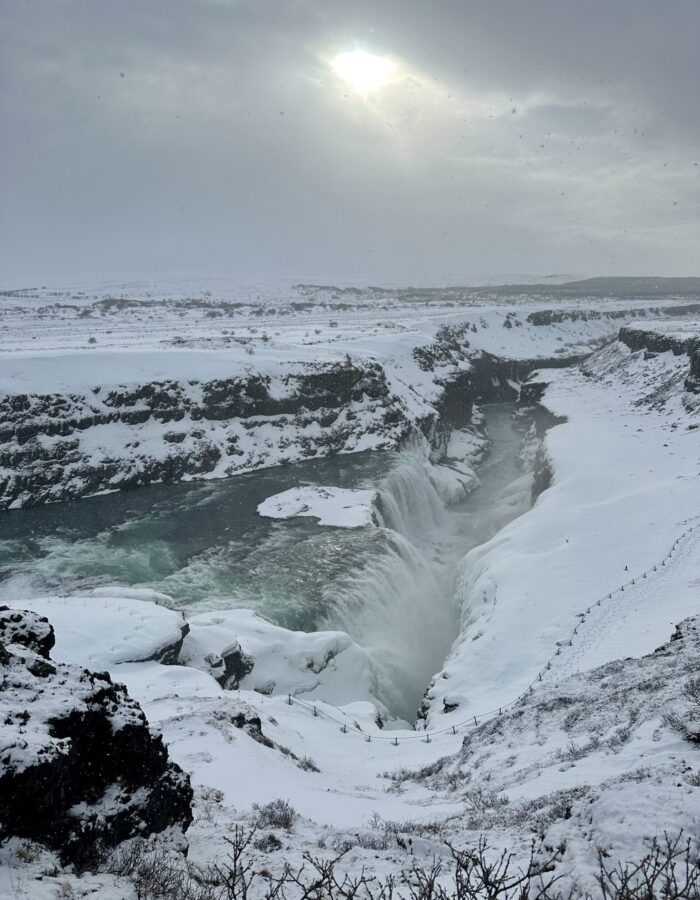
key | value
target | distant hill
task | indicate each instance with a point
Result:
(608, 286)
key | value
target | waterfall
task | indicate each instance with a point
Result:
(390, 586)
(415, 496)
(397, 609)
(400, 605)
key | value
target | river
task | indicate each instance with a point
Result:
(203, 543)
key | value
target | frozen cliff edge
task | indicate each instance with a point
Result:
(621, 488)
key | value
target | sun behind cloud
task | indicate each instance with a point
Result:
(363, 71)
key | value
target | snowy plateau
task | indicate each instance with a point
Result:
(444, 621)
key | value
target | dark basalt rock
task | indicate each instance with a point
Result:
(237, 664)
(79, 767)
(658, 342)
(692, 382)
(494, 376)
(229, 667)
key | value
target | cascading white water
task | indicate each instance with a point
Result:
(409, 501)
(397, 609)
(400, 605)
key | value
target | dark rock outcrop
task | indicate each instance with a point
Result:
(28, 629)
(659, 341)
(692, 382)
(497, 379)
(230, 666)
(79, 767)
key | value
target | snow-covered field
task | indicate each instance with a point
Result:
(590, 758)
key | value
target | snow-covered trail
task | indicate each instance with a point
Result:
(634, 615)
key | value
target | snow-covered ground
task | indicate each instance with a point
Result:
(590, 758)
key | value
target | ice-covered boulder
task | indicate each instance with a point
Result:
(228, 665)
(326, 665)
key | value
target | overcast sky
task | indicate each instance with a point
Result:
(214, 135)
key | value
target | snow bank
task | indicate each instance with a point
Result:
(101, 632)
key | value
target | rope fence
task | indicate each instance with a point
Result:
(477, 719)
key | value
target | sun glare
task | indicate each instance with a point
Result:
(363, 71)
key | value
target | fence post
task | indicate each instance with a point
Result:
(289, 699)
(315, 711)
(344, 729)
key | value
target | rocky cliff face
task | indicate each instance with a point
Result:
(682, 338)
(79, 767)
(498, 380)
(660, 340)
(58, 447)
(112, 436)
(692, 382)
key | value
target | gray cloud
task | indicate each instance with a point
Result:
(164, 134)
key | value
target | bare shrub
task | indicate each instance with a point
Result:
(574, 751)
(158, 874)
(275, 814)
(687, 723)
(668, 871)
(268, 843)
